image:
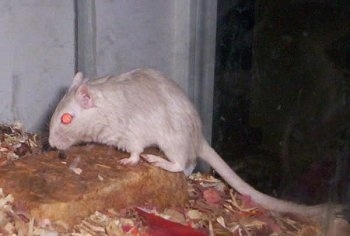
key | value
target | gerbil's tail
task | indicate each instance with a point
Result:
(209, 155)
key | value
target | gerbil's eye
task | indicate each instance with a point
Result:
(66, 118)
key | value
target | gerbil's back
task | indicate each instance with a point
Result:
(144, 89)
(154, 104)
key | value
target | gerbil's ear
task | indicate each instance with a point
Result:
(77, 80)
(83, 97)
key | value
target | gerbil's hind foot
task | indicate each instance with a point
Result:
(132, 160)
(162, 163)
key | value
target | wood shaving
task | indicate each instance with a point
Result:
(15, 143)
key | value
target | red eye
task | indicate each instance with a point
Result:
(66, 118)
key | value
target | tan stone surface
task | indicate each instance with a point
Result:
(45, 187)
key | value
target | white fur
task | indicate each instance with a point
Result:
(142, 108)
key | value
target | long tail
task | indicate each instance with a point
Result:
(209, 155)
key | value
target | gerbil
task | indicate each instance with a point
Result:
(143, 108)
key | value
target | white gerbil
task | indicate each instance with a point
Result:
(143, 108)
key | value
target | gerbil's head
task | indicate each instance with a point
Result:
(71, 117)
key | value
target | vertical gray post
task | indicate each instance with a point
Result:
(194, 56)
(202, 69)
(85, 38)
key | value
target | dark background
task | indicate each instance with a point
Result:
(282, 92)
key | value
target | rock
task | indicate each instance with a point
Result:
(47, 186)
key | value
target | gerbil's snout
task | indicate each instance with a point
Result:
(51, 146)
(46, 146)
(51, 143)
(58, 143)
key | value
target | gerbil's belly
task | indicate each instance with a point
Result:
(126, 142)
(121, 143)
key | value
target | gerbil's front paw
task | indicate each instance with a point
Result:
(127, 162)
(132, 160)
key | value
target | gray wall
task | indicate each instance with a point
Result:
(36, 57)
(128, 36)
(43, 42)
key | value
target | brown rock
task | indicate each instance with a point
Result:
(46, 186)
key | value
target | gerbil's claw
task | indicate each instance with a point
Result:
(132, 160)
(127, 162)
